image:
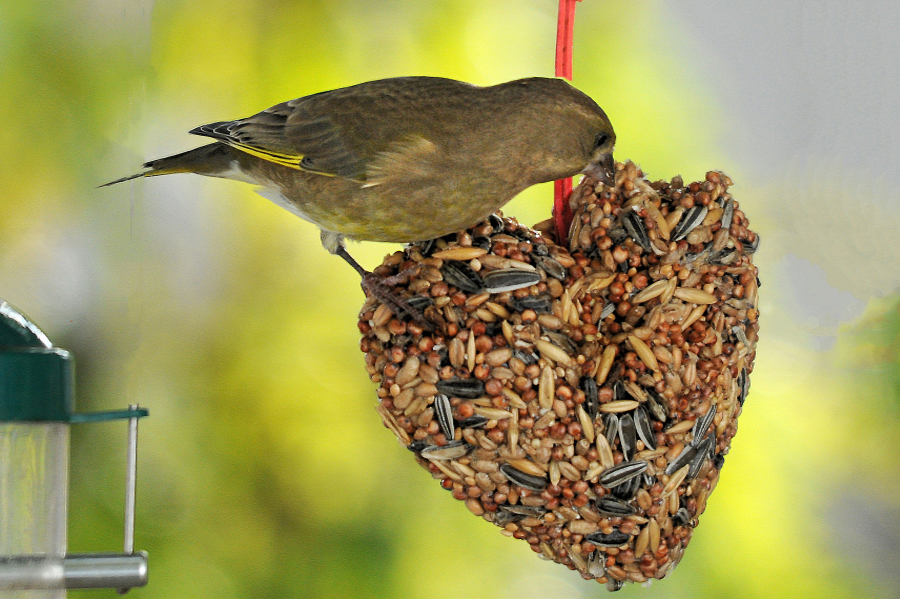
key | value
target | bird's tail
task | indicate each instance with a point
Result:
(207, 160)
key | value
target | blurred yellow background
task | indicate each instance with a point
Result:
(264, 470)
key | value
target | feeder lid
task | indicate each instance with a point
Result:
(36, 379)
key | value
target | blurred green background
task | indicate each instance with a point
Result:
(264, 469)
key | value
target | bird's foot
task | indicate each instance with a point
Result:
(380, 288)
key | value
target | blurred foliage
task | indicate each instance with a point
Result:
(264, 470)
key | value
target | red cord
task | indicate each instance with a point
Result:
(562, 189)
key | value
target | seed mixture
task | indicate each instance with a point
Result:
(581, 399)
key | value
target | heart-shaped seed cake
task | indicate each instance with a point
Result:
(580, 400)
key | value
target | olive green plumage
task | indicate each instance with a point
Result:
(405, 159)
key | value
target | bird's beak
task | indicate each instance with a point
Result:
(603, 170)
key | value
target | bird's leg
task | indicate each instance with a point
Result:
(376, 285)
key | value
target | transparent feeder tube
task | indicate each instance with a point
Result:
(33, 499)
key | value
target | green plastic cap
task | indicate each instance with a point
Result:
(36, 379)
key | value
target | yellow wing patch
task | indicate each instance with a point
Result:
(288, 160)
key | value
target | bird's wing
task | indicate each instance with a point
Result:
(409, 159)
(346, 132)
(310, 142)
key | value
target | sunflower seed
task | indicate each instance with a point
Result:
(420, 302)
(699, 458)
(613, 585)
(750, 247)
(689, 222)
(535, 511)
(425, 247)
(463, 388)
(611, 507)
(451, 451)
(616, 538)
(627, 436)
(657, 406)
(460, 275)
(718, 461)
(627, 490)
(475, 421)
(481, 241)
(526, 481)
(417, 446)
(634, 226)
(510, 279)
(611, 428)
(681, 517)
(551, 267)
(727, 213)
(644, 430)
(529, 357)
(444, 414)
(683, 458)
(501, 517)
(608, 309)
(622, 473)
(702, 425)
(723, 257)
(743, 382)
(539, 303)
(591, 403)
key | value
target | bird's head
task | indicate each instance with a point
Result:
(601, 165)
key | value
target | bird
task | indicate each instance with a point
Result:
(404, 159)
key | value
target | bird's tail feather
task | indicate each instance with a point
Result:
(206, 160)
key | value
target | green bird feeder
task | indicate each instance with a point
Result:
(36, 411)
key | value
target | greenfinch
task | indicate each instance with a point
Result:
(405, 159)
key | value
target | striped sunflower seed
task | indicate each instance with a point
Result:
(526, 481)
(444, 414)
(510, 279)
(616, 538)
(621, 473)
(643, 428)
(462, 388)
(634, 226)
(702, 425)
(612, 507)
(627, 436)
(683, 459)
(460, 275)
(591, 403)
(542, 304)
(689, 222)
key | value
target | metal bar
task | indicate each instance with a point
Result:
(106, 416)
(86, 571)
(31, 572)
(130, 482)
(106, 571)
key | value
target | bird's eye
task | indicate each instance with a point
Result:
(306, 162)
(601, 139)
